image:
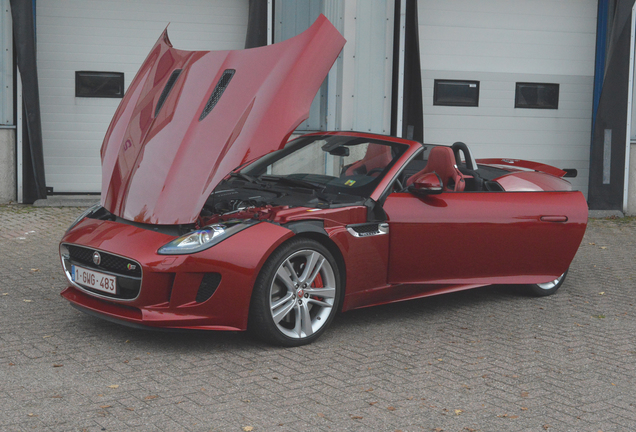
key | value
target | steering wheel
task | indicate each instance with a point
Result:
(468, 156)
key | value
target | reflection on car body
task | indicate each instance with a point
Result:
(216, 222)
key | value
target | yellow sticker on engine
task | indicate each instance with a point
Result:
(350, 182)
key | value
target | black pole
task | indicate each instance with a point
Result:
(34, 184)
(256, 24)
(412, 112)
(607, 153)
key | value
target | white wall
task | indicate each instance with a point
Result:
(367, 61)
(112, 36)
(6, 64)
(630, 209)
(7, 165)
(499, 43)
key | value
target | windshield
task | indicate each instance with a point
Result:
(332, 163)
(318, 171)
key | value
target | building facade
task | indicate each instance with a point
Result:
(530, 79)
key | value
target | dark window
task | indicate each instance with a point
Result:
(537, 95)
(99, 84)
(456, 93)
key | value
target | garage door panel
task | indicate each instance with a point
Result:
(77, 138)
(535, 16)
(497, 35)
(493, 108)
(557, 8)
(507, 49)
(205, 12)
(518, 124)
(520, 144)
(116, 36)
(516, 64)
(500, 43)
(193, 37)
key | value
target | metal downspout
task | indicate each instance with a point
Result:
(400, 99)
(630, 100)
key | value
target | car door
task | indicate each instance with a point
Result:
(483, 237)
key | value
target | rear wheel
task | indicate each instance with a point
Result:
(296, 294)
(548, 288)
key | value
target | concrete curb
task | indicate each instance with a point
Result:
(68, 201)
(600, 214)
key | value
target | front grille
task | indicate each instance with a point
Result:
(109, 262)
(128, 272)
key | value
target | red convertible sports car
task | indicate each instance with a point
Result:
(211, 219)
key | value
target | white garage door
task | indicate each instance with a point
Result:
(500, 43)
(110, 36)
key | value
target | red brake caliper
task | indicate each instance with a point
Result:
(318, 284)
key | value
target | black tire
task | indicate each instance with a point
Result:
(295, 309)
(548, 288)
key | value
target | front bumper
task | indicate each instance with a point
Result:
(148, 318)
(171, 286)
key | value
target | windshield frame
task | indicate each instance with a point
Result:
(258, 168)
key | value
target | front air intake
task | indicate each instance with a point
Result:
(218, 92)
(209, 284)
(166, 90)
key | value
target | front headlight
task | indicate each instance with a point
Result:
(86, 212)
(204, 238)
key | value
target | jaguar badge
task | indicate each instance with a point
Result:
(97, 258)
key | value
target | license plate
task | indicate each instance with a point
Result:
(96, 280)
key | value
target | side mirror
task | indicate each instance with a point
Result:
(427, 184)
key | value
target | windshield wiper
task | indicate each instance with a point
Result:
(317, 188)
(295, 182)
(246, 177)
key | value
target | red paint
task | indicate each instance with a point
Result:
(174, 160)
(436, 244)
(170, 284)
(518, 163)
(483, 237)
(160, 171)
(441, 161)
(529, 181)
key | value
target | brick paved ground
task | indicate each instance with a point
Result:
(491, 359)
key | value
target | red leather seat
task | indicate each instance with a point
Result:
(376, 158)
(441, 160)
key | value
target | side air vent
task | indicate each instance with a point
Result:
(368, 229)
(218, 92)
(166, 90)
(209, 284)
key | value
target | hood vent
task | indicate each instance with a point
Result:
(218, 92)
(166, 90)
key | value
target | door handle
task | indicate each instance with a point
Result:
(554, 218)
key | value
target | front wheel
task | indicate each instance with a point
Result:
(296, 294)
(548, 288)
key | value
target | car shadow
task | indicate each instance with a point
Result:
(372, 319)
(432, 306)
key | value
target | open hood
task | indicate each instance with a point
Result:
(189, 117)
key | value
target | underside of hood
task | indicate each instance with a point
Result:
(189, 117)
